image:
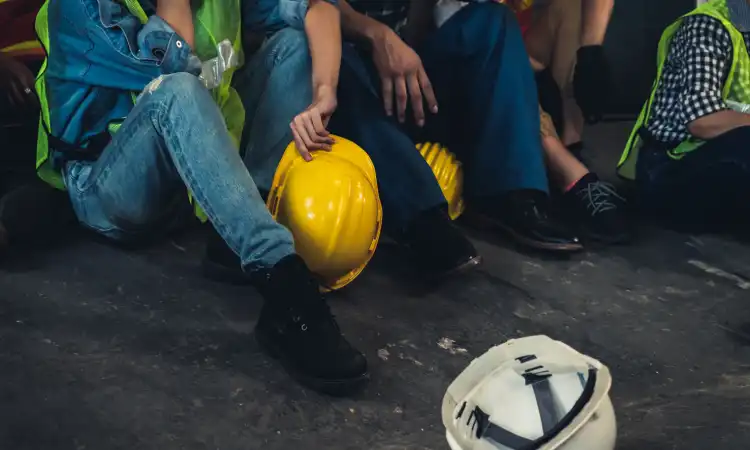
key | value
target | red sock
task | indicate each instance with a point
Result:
(573, 184)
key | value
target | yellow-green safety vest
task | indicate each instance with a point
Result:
(736, 88)
(214, 21)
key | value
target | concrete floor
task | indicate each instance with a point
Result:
(105, 349)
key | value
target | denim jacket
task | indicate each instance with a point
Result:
(100, 54)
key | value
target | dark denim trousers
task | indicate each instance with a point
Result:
(708, 187)
(488, 114)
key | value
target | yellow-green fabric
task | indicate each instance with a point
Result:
(736, 87)
(215, 21)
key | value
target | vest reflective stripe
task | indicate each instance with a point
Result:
(214, 22)
(736, 88)
(28, 48)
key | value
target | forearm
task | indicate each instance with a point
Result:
(358, 27)
(595, 17)
(713, 125)
(323, 29)
(179, 16)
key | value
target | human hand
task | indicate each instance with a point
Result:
(403, 76)
(591, 82)
(309, 127)
(17, 85)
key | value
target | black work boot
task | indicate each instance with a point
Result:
(297, 328)
(437, 245)
(597, 211)
(524, 215)
(220, 263)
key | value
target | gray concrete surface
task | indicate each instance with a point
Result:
(105, 349)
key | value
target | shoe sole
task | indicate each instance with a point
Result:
(538, 245)
(334, 388)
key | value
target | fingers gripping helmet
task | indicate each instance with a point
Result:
(527, 394)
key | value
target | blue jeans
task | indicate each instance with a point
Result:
(275, 85)
(175, 137)
(488, 114)
(709, 187)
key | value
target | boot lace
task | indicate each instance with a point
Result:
(599, 197)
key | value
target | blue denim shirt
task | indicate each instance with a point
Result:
(100, 54)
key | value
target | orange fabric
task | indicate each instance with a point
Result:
(523, 10)
(17, 35)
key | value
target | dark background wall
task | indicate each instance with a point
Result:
(631, 47)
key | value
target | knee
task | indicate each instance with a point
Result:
(174, 88)
(175, 83)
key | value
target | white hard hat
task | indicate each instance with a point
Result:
(531, 393)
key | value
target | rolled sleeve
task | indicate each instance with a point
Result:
(700, 56)
(125, 53)
(158, 41)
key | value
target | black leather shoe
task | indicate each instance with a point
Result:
(524, 216)
(297, 328)
(438, 246)
(220, 263)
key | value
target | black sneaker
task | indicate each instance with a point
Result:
(524, 215)
(597, 210)
(297, 328)
(220, 263)
(438, 246)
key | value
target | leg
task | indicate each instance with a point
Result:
(412, 200)
(490, 117)
(707, 188)
(486, 92)
(176, 137)
(591, 205)
(553, 39)
(407, 185)
(274, 86)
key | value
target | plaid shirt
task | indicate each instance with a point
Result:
(693, 77)
(390, 12)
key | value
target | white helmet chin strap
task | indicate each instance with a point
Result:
(532, 393)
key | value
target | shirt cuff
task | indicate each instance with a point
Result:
(162, 43)
(698, 106)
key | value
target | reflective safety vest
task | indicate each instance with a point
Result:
(17, 37)
(736, 88)
(214, 22)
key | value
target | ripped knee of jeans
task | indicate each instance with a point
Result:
(153, 85)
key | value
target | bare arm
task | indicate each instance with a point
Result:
(595, 16)
(712, 125)
(179, 16)
(357, 26)
(323, 29)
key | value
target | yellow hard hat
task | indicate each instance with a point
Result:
(449, 174)
(332, 207)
